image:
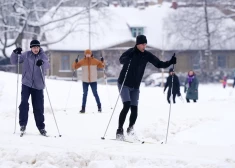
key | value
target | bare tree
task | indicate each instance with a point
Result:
(201, 25)
(24, 19)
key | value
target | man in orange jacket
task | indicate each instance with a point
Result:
(89, 66)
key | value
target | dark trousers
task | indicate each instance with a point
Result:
(94, 91)
(122, 117)
(169, 95)
(37, 99)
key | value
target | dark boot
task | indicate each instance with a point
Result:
(22, 128)
(82, 110)
(130, 131)
(43, 132)
(99, 109)
(119, 134)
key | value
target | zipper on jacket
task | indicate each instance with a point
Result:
(33, 71)
(24, 75)
(89, 70)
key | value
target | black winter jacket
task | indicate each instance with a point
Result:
(138, 61)
(176, 84)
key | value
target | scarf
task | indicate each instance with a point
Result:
(190, 79)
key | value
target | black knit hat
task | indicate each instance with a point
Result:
(171, 70)
(141, 39)
(34, 43)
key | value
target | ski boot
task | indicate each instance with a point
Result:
(119, 134)
(82, 110)
(43, 132)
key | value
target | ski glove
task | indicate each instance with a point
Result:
(17, 50)
(102, 59)
(179, 94)
(173, 59)
(39, 62)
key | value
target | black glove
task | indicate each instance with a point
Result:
(39, 62)
(102, 59)
(17, 50)
(173, 59)
(179, 94)
(76, 60)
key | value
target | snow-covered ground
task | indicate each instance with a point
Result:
(201, 135)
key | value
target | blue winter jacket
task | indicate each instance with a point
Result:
(31, 73)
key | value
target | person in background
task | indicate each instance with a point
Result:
(89, 66)
(224, 82)
(234, 78)
(176, 86)
(191, 87)
(233, 82)
(32, 83)
(134, 61)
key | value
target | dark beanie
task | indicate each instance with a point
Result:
(171, 70)
(34, 43)
(141, 39)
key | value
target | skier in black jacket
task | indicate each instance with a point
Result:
(176, 85)
(136, 59)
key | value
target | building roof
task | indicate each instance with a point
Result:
(111, 26)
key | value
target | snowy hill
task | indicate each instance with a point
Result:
(201, 135)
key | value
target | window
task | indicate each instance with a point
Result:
(221, 61)
(65, 63)
(137, 31)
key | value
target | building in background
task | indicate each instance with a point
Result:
(109, 36)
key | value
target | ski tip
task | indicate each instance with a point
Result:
(103, 138)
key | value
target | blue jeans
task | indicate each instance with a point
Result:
(94, 91)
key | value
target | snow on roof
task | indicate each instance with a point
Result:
(106, 30)
(111, 26)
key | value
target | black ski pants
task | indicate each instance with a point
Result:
(37, 99)
(169, 95)
(122, 117)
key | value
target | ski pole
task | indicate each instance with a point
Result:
(18, 69)
(50, 102)
(181, 98)
(70, 88)
(106, 83)
(116, 101)
(170, 105)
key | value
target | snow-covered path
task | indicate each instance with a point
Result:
(200, 136)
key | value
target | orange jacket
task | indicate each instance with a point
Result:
(89, 68)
